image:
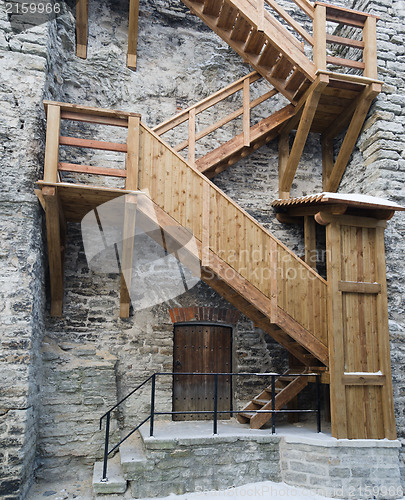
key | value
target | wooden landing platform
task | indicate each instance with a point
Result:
(77, 200)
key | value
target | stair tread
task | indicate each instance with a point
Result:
(116, 482)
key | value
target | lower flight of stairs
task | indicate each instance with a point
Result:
(287, 387)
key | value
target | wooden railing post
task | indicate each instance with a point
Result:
(319, 34)
(191, 136)
(370, 48)
(246, 112)
(132, 158)
(52, 143)
(260, 15)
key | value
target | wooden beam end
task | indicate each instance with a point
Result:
(81, 51)
(131, 61)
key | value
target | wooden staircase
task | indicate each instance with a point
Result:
(237, 257)
(287, 387)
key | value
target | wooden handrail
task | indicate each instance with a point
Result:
(288, 19)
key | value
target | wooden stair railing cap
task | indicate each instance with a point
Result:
(78, 108)
(348, 14)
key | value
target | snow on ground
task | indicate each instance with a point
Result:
(264, 491)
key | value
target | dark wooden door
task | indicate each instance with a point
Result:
(201, 349)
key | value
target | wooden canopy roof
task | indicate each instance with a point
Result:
(339, 204)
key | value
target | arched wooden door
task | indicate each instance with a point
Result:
(201, 348)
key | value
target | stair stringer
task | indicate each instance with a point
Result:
(263, 401)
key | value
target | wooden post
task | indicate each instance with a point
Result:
(260, 15)
(191, 136)
(319, 34)
(56, 234)
(310, 241)
(127, 257)
(370, 48)
(52, 143)
(132, 33)
(383, 337)
(132, 157)
(82, 15)
(246, 112)
(336, 332)
(283, 154)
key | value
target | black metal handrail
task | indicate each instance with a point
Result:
(215, 412)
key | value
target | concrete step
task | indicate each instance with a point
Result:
(133, 459)
(116, 482)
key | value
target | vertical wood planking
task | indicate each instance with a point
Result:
(205, 231)
(383, 337)
(336, 332)
(52, 144)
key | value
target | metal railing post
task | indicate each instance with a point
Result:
(318, 403)
(273, 404)
(216, 403)
(107, 437)
(152, 404)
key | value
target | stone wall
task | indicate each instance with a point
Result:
(23, 61)
(342, 468)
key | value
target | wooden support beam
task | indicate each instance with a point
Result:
(132, 157)
(283, 154)
(56, 234)
(82, 15)
(370, 47)
(127, 256)
(352, 134)
(319, 33)
(327, 160)
(246, 113)
(132, 33)
(52, 144)
(310, 241)
(92, 144)
(304, 127)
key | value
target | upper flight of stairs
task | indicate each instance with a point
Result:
(260, 40)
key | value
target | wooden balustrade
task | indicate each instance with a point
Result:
(320, 13)
(190, 114)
